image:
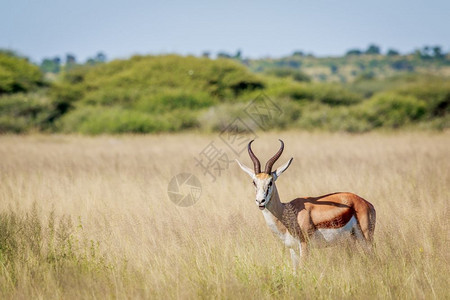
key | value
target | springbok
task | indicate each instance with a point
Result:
(323, 220)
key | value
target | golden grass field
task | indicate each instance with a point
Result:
(89, 217)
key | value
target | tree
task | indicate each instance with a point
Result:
(238, 54)
(437, 52)
(90, 61)
(100, 57)
(353, 52)
(392, 52)
(298, 53)
(300, 76)
(373, 50)
(9, 52)
(70, 59)
(402, 65)
(223, 54)
(57, 60)
(334, 69)
(426, 51)
(52, 65)
(97, 59)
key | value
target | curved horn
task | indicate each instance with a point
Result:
(271, 161)
(256, 163)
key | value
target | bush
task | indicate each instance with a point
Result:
(387, 110)
(220, 117)
(435, 92)
(172, 100)
(23, 112)
(147, 93)
(392, 110)
(17, 74)
(10, 124)
(112, 97)
(221, 79)
(319, 116)
(97, 120)
(167, 93)
(330, 94)
(296, 75)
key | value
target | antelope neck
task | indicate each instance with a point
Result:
(275, 206)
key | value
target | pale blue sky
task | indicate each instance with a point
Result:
(45, 28)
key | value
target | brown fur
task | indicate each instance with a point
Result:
(328, 211)
(262, 176)
(302, 217)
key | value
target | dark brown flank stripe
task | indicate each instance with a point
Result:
(338, 222)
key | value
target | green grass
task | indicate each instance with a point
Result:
(55, 252)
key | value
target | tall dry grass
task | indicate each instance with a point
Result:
(89, 217)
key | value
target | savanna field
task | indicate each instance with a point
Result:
(90, 217)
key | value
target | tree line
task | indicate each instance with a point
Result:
(426, 52)
(56, 64)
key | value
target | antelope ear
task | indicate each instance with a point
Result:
(281, 169)
(246, 169)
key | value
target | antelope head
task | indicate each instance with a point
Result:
(264, 182)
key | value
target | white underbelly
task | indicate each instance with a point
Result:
(325, 237)
(320, 238)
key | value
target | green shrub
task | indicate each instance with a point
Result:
(435, 92)
(97, 120)
(174, 99)
(147, 93)
(323, 117)
(440, 123)
(330, 94)
(167, 93)
(23, 112)
(220, 117)
(314, 116)
(63, 98)
(367, 87)
(17, 74)
(222, 78)
(387, 110)
(391, 110)
(9, 124)
(112, 97)
(285, 72)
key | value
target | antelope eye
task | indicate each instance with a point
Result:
(254, 183)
